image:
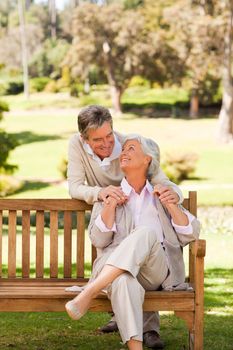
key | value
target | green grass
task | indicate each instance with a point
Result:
(44, 134)
(55, 331)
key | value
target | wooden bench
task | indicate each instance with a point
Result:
(25, 290)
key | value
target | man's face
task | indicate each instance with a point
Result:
(132, 156)
(101, 140)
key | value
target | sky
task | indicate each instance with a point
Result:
(59, 3)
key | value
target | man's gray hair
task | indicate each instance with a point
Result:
(150, 148)
(92, 117)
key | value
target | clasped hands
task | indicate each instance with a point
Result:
(113, 195)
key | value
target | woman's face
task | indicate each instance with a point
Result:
(132, 156)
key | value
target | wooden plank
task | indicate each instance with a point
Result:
(67, 243)
(186, 203)
(199, 296)
(39, 243)
(193, 202)
(1, 222)
(25, 243)
(80, 243)
(193, 210)
(44, 204)
(47, 299)
(53, 244)
(12, 244)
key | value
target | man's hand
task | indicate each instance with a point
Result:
(166, 194)
(112, 191)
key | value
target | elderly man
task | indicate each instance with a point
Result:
(139, 243)
(94, 174)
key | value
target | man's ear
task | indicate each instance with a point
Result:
(83, 138)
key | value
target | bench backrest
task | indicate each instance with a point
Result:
(16, 216)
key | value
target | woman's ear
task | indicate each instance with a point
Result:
(148, 159)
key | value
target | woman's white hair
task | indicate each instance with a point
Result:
(150, 148)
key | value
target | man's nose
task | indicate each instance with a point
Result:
(105, 142)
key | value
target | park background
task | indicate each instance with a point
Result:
(164, 68)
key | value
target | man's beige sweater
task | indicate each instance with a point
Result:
(86, 178)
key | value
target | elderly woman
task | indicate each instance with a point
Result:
(138, 240)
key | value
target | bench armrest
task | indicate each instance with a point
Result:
(198, 248)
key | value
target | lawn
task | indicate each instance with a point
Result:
(43, 126)
(55, 331)
(43, 134)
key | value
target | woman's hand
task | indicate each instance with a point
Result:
(166, 194)
(110, 191)
(170, 199)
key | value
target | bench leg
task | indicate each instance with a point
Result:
(194, 322)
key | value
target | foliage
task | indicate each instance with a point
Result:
(3, 108)
(179, 166)
(10, 45)
(116, 39)
(7, 142)
(51, 86)
(62, 168)
(47, 60)
(9, 185)
(38, 84)
(137, 80)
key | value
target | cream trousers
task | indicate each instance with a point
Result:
(145, 263)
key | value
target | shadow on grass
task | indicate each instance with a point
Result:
(32, 186)
(26, 137)
(179, 109)
(219, 288)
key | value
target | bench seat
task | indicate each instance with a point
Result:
(51, 296)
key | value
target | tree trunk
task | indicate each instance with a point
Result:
(116, 98)
(194, 105)
(23, 47)
(53, 18)
(225, 125)
(116, 91)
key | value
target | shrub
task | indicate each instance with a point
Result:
(38, 84)
(179, 167)
(51, 87)
(3, 108)
(9, 185)
(14, 87)
(62, 167)
(8, 143)
(76, 89)
(137, 80)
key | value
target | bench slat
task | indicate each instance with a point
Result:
(80, 243)
(43, 204)
(25, 243)
(48, 298)
(12, 244)
(67, 243)
(39, 243)
(53, 244)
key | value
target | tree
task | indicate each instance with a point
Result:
(8, 143)
(195, 35)
(24, 50)
(116, 39)
(53, 17)
(226, 114)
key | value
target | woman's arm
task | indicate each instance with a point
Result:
(108, 212)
